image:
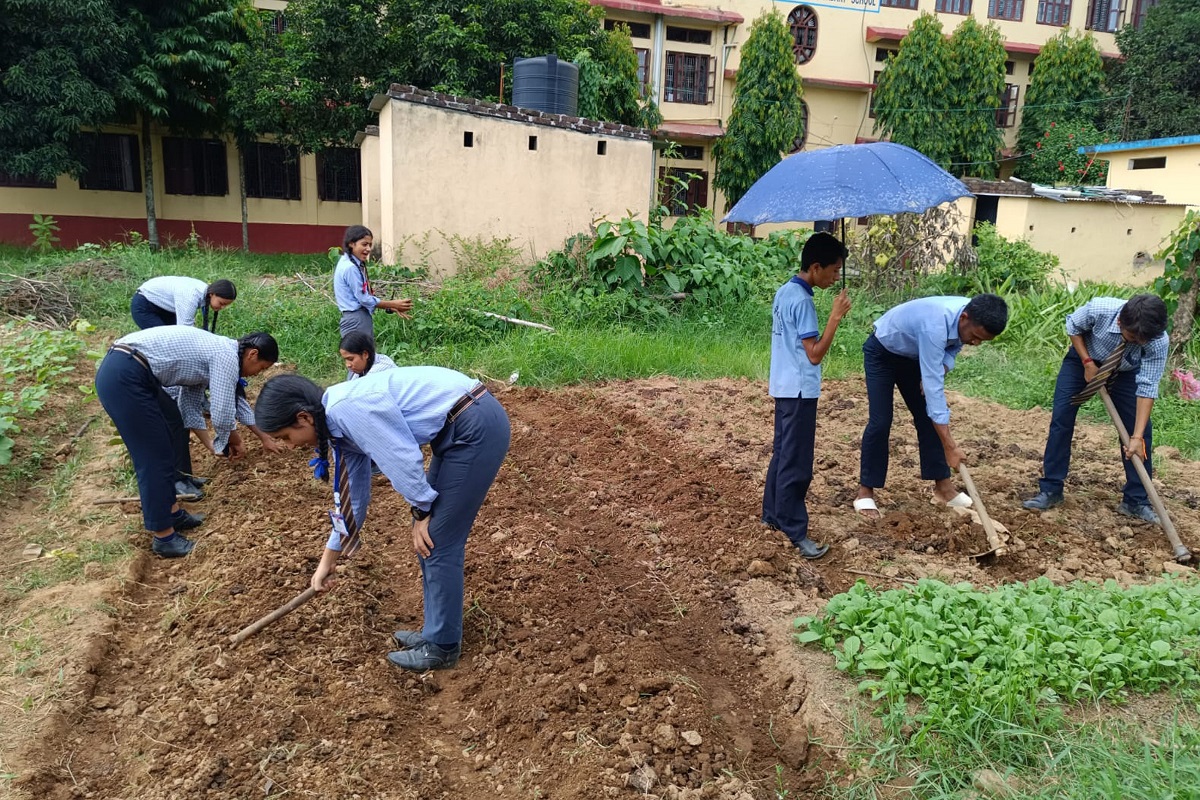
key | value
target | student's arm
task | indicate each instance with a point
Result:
(933, 381)
(1089, 365)
(187, 305)
(1136, 443)
(323, 578)
(816, 348)
(352, 284)
(1080, 321)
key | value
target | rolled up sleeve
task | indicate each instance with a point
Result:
(931, 357)
(222, 388)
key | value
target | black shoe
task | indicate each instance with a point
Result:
(183, 521)
(1143, 512)
(173, 546)
(407, 639)
(426, 656)
(810, 549)
(1043, 501)
(186, 490)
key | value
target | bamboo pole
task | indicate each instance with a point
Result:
(282, 611)
(988, 528)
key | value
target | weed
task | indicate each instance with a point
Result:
(43, 228)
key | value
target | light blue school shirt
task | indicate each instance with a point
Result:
(926, 330)
(794, 319)
(385, 417)
(350, 285)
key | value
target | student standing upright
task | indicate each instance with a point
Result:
(797, 348)
(175, 300)
(352, 287)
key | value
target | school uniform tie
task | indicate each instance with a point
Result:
(350, 539)
(1104, 376)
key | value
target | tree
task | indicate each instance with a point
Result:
(1159, 74)
(181, 54)
(61, 67)
(609, 93)
(976, 91)
(1055, 157)
(912, 92)
(1067, 86)
(768, 109)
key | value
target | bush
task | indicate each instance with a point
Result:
(1056, 157)
(1001, 267)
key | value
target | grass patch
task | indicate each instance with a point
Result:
(66, 565)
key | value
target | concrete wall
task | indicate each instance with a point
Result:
(433, 188)
(1178, 180)
(372, 209)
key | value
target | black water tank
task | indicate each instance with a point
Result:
(546, 84)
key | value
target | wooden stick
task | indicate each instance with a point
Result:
(309, 285)
(877, 575)
(1182, 554)
(283, 610)
(992, 537)
(515, 321)
(109, 501)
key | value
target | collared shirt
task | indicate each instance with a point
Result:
(926, 330)
(385, 417)
(350, 287)
(194, 359)
(183, 296)
(382, 363)
(1096, 321)
(794, 319)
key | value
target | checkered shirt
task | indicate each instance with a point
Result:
(184, 296)
(1096, 322)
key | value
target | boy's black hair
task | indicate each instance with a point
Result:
(222, 288)
(1144, 316)
(824, 249)
(285, 396)
(358, 341)
(353, 234)
(990, 311)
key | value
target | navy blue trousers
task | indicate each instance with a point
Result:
(151, 427)
(886, 372)
(1057, 459)
(147, 315)
(790, 472)
(467, 455)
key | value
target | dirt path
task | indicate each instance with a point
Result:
(627, 623)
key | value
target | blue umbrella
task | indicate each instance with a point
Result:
(847, 180)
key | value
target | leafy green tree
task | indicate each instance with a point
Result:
(609, 86)
(1067, 85)
(1159, 73)
(1055, 157)
(913, 91)
(768, 109)
(61, 67)
(181, 58)
(976, 89)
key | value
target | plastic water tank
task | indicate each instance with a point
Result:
(546, 84)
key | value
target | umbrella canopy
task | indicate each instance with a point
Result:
(847, 180)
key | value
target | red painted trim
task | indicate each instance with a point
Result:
(690, 130)
(656, 7)
(829, 83)
(265, 237)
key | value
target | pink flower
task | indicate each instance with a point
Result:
(1051, 124)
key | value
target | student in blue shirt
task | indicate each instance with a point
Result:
(357, 350)
(1139, 327)
(385, 417)
(797, 348)
(352, 288)
(174, 300)
(913, 347)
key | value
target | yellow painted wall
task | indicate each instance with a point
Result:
(1178, 181)
(371, 207)
(431, 185)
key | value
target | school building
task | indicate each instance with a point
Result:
(1169, 166)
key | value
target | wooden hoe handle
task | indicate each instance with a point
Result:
(283, 610)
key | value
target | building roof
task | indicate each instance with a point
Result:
(876, 33)
(1087, 194)
(1144, 144)
(683, 12)
(689, 130)
(482, 108)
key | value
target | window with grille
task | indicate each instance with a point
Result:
(277, 24)
(798, 142)
(272, 171)
(690, 152)
(688, 78)
(1006, 9)
(339, 175)
(689, 35)
(953, 6)
(803, 22)
(1054, 12)
(10, 181)
(1006, 115)
(909, 4)
(684, 191)
(643, 73)
(1103, 15)
(111, 162)
(1140, 9)
(637, 30)
(195, 167)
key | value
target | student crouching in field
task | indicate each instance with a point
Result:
(357, 349)
(352, 288)
(130, 384)
(173, 300)
(386, 417)
(797, 348)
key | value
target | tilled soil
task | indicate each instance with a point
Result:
(627, 619)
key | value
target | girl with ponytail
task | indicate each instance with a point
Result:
(173, 300)
(352, 288)
(357, 349)
(386, 420)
